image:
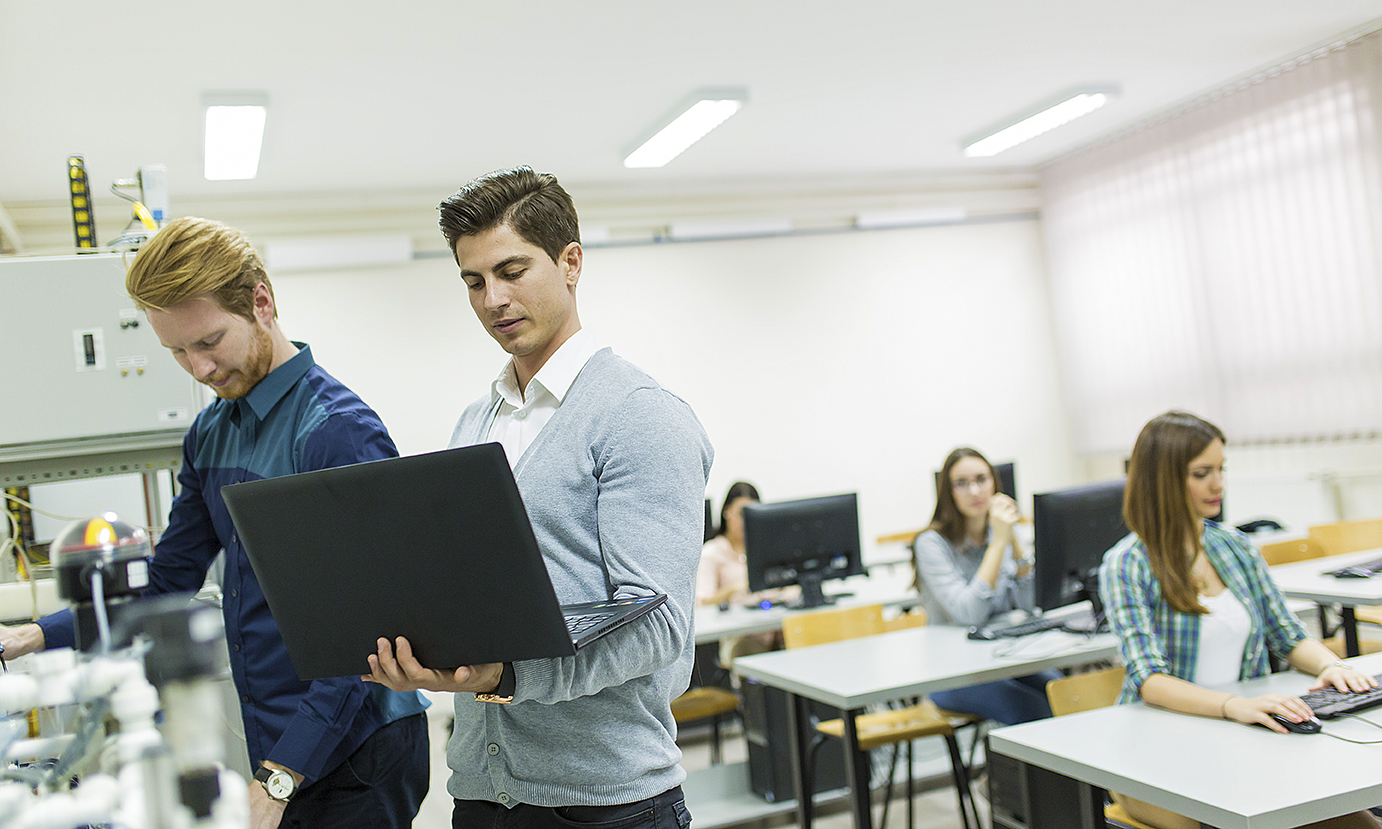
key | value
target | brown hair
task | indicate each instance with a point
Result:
(533, 204)
(193, 257)
(947, 519)
(1156, 500)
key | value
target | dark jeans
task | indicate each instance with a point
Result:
(1009, 701)
(380, 785)
(665, 811)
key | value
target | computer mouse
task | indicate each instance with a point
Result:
(982, 633)
(1310, 726)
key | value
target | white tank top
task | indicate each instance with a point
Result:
(1223, 637)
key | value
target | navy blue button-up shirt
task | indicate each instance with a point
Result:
(297, 419)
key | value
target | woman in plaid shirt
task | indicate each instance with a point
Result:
(1192, 602)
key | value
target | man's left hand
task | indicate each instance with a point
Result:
(400, 671)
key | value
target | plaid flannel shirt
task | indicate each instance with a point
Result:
(1153, 638)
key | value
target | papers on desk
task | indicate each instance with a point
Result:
(1044, 644)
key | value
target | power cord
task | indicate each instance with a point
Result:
(1356, 742)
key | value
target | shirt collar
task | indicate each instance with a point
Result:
(556, 376)
(264, 396)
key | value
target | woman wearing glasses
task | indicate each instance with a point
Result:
(971, 566)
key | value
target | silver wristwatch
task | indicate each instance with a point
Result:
(278, 783)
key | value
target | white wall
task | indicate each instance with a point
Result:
(818, 364)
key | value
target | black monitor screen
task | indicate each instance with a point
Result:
(1007, 479)
(802, 542)
(1074, 528)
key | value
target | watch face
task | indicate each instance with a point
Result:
(279, 785)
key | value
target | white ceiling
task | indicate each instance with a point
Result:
(371, 96)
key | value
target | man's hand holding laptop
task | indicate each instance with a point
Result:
(403, 672)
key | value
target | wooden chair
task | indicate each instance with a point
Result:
(706, 702)
(892, 727)
(1286, 552)
(1085, 692)
(1349, 536)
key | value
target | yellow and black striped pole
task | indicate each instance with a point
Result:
(83, 221)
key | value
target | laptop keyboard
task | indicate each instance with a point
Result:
(584, 622)
(1328, 703)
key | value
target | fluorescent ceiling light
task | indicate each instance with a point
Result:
(730, 230)
(1061, 111)
(920, 217)
(684, 125)
(234, 134)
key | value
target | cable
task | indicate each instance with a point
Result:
(54, 516)
(98, 598)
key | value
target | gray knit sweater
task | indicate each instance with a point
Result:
(614, 484)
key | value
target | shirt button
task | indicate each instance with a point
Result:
(520, 414)
(234, 593)
(237, 648)
(493, 749)
(245, 698)
(504, 798)
(235, 539)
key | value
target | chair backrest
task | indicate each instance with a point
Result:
(913, 619)
(1349, 536)
(1084, 692)
(1285, 552)
(832, 625)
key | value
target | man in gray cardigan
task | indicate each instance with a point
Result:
(612, 469)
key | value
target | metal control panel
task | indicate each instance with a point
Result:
(80, 362)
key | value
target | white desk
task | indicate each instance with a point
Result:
(1305, 580)
(858, 672)
(890, 591)
(1218, 772)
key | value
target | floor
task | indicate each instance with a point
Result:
(935, 809)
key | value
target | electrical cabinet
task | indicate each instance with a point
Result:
(81, 363)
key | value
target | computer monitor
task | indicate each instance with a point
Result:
(803, 542)
(1007, 479)
(1074, 528)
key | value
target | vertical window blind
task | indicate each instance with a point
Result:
(1225, 260)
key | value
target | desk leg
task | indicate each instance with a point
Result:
(798, 719)
(857, 771)
(1349, 622)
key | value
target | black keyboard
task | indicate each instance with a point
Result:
(1328, 703)
(1361, 570)
(1027, 628)
(580, 624)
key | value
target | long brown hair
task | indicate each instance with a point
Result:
(948, 520)
(1156, 501)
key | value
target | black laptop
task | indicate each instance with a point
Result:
(434, 547)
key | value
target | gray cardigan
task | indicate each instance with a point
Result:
(614, 485)
(951, 590)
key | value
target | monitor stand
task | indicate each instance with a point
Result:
(811, 593)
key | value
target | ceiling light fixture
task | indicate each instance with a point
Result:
(1045, 118)
(234, 134)
(685, 124)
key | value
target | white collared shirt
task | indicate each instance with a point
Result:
(520, 417)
